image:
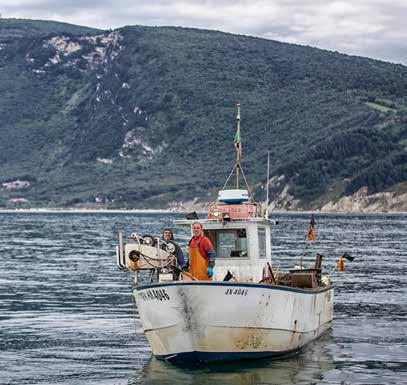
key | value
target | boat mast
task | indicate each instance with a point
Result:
(237, 166)
(238, 144)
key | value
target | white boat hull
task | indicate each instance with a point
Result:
(209, 321)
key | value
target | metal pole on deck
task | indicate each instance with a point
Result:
(268, 183)
(238, 145)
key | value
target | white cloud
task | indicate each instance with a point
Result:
(374, 28)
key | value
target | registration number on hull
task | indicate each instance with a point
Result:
(236, 292)
(154, 294)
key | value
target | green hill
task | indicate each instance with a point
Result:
(142, 116)
(16, 28)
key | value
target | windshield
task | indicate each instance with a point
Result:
(229, 243)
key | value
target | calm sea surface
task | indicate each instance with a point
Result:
(67, 317)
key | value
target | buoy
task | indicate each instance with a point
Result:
(341, 264)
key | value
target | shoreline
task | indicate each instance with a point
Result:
(86, 211)
(172, 211)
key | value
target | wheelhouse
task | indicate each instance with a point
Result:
(242, 246)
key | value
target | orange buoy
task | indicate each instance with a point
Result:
(341, 264)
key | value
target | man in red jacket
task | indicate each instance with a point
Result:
(201, 254)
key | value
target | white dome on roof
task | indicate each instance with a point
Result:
(233, 196)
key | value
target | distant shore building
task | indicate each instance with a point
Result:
(16, 184)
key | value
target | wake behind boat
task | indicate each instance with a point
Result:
(248, 309)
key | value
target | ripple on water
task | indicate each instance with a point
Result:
(67, 316)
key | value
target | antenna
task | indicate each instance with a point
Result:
(238, 144)
(268, 185)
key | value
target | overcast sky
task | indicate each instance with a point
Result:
(373, 28)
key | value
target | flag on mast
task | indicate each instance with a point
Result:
(311, 229)
(238, 144)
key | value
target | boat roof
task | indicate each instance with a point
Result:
(222, 224)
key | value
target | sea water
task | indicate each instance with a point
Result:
(67, 314)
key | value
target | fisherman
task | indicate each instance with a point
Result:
(201, 254)
(169, 236)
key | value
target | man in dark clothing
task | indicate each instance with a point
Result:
(168, 236)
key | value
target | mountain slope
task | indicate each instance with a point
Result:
(140, 117)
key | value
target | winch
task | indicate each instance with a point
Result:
(147, 253)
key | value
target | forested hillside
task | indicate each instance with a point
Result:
(142, 117)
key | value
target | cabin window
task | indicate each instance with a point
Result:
(262, 242)
(229, 243)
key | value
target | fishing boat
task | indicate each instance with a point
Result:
(248, 309)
